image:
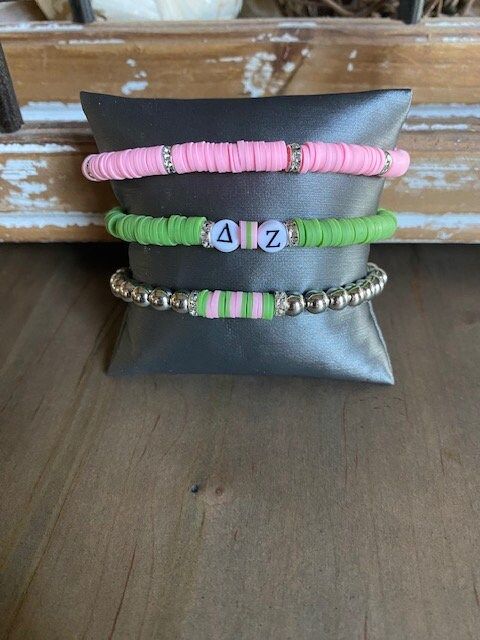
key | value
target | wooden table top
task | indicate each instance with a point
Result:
(325, 510)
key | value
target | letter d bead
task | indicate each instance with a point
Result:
(225, 236)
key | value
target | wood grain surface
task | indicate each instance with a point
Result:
(44, 198)
(252, 57)
(324, 510)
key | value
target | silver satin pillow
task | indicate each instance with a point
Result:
(346, 344)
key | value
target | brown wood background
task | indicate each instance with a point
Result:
(325, 510)
(44, 197)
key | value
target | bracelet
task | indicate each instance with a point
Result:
(237, 157)
(271, 235)
(254, 305)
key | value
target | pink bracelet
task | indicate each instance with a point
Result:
(236, 157)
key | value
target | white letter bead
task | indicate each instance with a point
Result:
(272, 236)
(225, 236)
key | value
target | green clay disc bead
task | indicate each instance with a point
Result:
(268, 306)
(167, 232)
(202, 302)
(348, 233)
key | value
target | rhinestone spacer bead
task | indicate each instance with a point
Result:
(192, 303)
(292, 233)
(387, 165)
(167, 159)
(294, 157)
(281, 303)
(205, 234)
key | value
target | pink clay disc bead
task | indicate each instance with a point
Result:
(85, 167)
(257, 305)
(400, 163)
(212, 306)
(238, 304)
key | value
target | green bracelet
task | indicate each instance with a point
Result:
(271, 236)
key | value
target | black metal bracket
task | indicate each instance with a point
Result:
(410, 11)
(10, 116)
(82, 11)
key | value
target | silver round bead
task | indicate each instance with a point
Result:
(380, 273)
(338, 298)
(140, 295)
(357, 294)
(117, 276)
(116, 283)
(126, 290)
(295, 304)
(316, 301)
(377, 285)
(179, 301)
(160, 299)
(367, 287)
(117, 279)
(381, 281)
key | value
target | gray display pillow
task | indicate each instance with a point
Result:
(346, 344)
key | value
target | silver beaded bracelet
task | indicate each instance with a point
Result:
(235, 304)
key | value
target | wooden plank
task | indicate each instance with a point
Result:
(44, 197)
(253, 57)
(20, 11)
(325, 510)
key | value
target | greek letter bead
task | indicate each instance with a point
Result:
(140, 295)
(272, 236)
(179, 301)
(295, 304)
(225, 236)
(357, 294)
(316, 301)
(338, 298)
(160, 299)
